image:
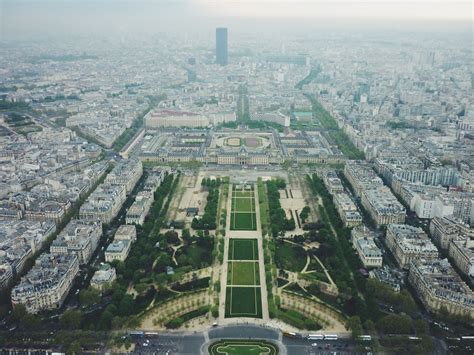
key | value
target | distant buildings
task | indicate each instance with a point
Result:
(439, 286)
(221, 46)
(47, 284)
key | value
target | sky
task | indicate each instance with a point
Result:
(56, 17)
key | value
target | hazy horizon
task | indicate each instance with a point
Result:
(24, 18)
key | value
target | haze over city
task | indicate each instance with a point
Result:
(236, 176)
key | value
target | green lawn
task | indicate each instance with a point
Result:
(247, 194)
(290, 257)
(243, 347)
(243, 302)
(243, 221)
(243, 249)
(243, 273)
(243, 204)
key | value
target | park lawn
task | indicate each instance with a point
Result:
(290, 257)
(241, 194)
(243, 302)
(243, 249)
(243, 221)
(241, 347)
(243, 204)
(243, 273)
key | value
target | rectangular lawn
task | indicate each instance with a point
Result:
(243, 204)
(243, 221)
(243, 273)
(243, 249)
(243, 302)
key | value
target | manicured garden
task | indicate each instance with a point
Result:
(241, 347)
(243, 249)
(243, 302)
(243, 273)
(243, 216)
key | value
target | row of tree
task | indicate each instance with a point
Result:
(208, 220)
(278, 220)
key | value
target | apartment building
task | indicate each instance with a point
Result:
(79, 237)
(104, 203)
(439, 286)
(47, 284)
(347, 209)
(462, 252)
(361, 176)
(363, 242)
(383, 206)
(139, 209)
(127, 172)
(409, 243)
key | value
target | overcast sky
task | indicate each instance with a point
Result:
(26, 17)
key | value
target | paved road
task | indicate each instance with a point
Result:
(197, 343)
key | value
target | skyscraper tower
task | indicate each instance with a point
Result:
(221, 46)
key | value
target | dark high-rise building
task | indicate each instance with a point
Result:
(221, 46)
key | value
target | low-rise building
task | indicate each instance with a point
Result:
(104, 277)
(440, 287)
(409, 243)
(47, 284)
(139, 209)
(126, 232)
(117, 250)
(363, 242)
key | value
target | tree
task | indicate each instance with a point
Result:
(126, 305)
(19, 312)
(74, 348)
(89, 296)
(70, 320)
(356, 326)
(304, 213)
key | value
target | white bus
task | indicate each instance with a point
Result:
(331, 337)
(365, 337)
(315, 336)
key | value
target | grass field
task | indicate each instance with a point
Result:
(241, 347)
(246, 221)
(243, 249)
(243, 273)
(243, 204)
(243, 302)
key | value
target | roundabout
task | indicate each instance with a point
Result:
(242, 346)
